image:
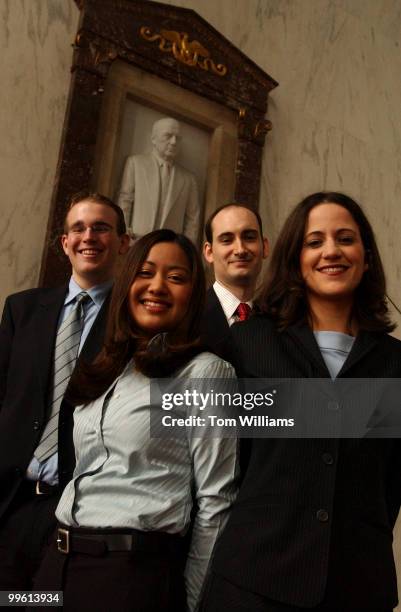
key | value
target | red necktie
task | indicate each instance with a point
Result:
(243, 311)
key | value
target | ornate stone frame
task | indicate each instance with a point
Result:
(169, 43)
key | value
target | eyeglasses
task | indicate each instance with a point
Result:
(96, 228)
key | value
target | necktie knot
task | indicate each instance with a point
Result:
(80, 300)
(243, 311)
(82, 297)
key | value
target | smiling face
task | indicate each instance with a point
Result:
(237, 248)
(91, 242)
(332, 258)
(160, 294)
(166, 138)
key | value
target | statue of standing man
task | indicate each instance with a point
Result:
(157, 193)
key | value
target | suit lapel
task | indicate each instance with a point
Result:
(364, 343)
(215, 330)
(214, 318)
(306, 343)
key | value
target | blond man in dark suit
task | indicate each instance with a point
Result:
(31, 481)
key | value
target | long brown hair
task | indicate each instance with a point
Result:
(124, 339)
(283, 296)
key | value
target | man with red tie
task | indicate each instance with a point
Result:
(236, 247)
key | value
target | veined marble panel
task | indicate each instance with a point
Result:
(24, 222)
(35, 47)
(351, 83)
(382, 16)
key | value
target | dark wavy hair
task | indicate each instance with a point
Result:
(124, 339)
(283, 296)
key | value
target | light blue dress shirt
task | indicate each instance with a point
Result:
(124, 478)
(335, 348)
(48, 470)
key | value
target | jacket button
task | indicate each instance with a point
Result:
(322, 516)
(333, 406)
(328, 458)
(36, 425)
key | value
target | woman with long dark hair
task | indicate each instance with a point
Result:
(120, 543)
(312, 525)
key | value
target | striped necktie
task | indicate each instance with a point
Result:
(65, 355)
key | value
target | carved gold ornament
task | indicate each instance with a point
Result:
(188, 53)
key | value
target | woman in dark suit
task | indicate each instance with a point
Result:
(312, 525)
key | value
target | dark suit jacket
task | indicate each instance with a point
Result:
(278, 542)
(27, 336)
(215, 330)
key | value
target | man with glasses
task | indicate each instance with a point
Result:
(42, 334)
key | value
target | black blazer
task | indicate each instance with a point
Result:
(215, 330)
(27, 335)
(313, 519)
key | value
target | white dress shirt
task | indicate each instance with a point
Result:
(229, 302)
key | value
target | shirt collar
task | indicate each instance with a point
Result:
(98, 293)
(160, 161)
(229, 302)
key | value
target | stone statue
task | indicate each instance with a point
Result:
(157, 193)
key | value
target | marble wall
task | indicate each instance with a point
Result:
(336, 114)
(36, 53)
